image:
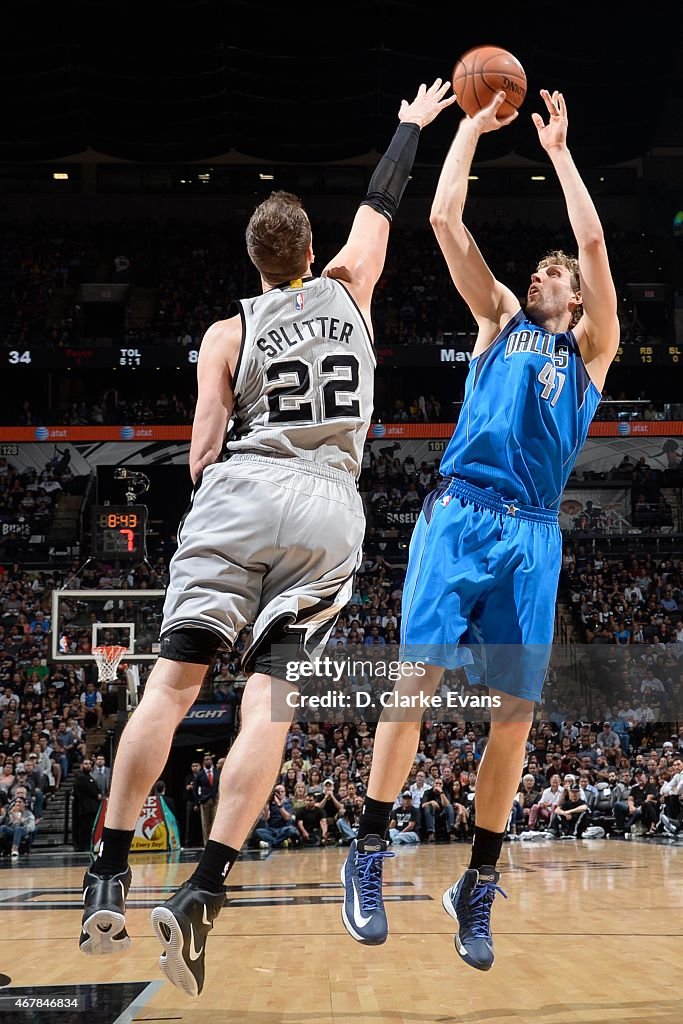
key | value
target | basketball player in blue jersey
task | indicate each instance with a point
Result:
(273, 536)
(485, 554)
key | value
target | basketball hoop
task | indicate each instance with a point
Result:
(108, 659)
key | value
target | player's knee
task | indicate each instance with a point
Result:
(509, 733)
(192, 644)
(515, 714)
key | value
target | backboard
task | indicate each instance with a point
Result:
(83, 619)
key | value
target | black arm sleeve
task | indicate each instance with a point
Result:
(388, 183)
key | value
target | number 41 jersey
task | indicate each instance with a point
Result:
(304, 380)
(528, 404)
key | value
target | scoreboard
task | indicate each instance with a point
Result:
(644, 355)
(106, 357)
(118, 531)
(174, 356)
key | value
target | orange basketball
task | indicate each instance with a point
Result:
(482, 72)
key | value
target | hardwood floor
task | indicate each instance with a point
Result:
(590, 934)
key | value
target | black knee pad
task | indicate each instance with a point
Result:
(273, 658)
(280, 645)
(193, 644)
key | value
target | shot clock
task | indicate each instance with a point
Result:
(118, 531)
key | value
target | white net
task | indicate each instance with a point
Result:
(108, 659)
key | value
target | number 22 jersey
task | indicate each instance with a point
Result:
(304, 380)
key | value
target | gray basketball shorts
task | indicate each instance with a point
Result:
(273, 542)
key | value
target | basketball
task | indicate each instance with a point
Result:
(482, 72)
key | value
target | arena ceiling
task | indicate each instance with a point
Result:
(194, 79)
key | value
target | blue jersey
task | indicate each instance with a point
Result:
(528, 404)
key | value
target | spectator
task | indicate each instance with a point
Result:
(526, 798)
(87, 799)
(650, 684)
(159, 789)
(192, 813)
(348, 819)
(641, 806)
(328, 803)
(101, 774)
(436, 807)
(35, 781)
(572, 815)
(311, 822)
(404, 821)
(608, 740)
(206, 794)
(17, 823)
(91, 699)
(419, 788)
(276, 825)
(672, 790)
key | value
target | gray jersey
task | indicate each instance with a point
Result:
(304, 380)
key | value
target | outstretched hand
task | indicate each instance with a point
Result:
(552, 135)
(487, 120)
(428, 103)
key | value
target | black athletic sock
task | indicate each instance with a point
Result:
(213, 867)
(112, 858)
(374, 818)
(486, 847)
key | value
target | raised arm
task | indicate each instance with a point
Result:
(597, 332)
(490, 302)
(360, 262)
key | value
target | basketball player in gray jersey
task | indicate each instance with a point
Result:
(273, 536)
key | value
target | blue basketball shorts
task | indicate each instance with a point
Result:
(481, 587)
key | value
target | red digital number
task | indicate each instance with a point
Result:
(130, 535)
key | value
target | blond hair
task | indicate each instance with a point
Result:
(558, 258)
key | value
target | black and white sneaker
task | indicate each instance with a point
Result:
(103, 928)
(182, 925)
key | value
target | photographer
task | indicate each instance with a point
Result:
(348, 819)
(276, 826)
(329, 804)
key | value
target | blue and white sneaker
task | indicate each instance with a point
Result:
(469, 903)
(361, 875)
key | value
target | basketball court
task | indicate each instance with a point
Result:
(588, 935)
(581, 917)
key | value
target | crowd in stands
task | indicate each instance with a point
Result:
(616, 702)
(578, 775)
(194, 270)
(28, 500)
(50, 714)
(625, 601)
(157, 404)
(109, 407)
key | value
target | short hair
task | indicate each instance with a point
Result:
(278, 237)
(558, 258)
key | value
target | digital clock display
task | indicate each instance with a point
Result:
(118, 531)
